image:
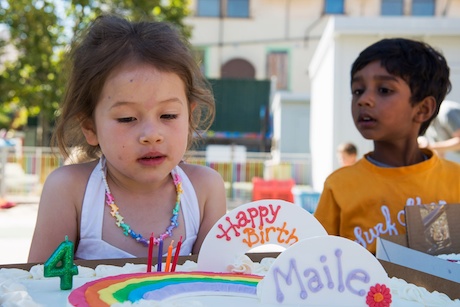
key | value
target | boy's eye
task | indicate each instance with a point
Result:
(169, 116)
(356, 91)
(126, 119)
(384, 90)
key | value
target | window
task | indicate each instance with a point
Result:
(392, 7)
(231, 8)
(277, 66)
(423, 7)
(208, 8)
(237, 8)
(333, 7)
(238, 69)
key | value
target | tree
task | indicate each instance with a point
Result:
(174, 11)
(31, 80)
(39, 31)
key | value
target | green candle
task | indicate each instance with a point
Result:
(61, 264)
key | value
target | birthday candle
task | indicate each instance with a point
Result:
(61, 264)
(149, 259)
(160, 255)
(168, 258)
(176, 255)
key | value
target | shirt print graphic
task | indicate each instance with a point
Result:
(387, 226)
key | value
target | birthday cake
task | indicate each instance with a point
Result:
(314, 270)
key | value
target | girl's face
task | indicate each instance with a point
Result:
(141, 121)
(381, 105)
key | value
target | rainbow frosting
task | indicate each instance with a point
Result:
(160, 286)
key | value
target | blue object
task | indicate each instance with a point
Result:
(307, 200)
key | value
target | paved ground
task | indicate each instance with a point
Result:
(16, 229)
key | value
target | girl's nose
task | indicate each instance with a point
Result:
(150, 135)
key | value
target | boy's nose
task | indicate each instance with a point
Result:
(366, 99)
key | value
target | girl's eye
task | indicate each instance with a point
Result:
(357, 92)
(169, 116)
(126, 119)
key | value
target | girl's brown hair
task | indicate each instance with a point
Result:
(111, 41)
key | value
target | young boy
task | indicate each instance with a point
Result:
(397, 88)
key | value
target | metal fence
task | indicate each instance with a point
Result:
(24, 171)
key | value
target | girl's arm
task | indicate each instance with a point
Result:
(58, 211)
(210, 190)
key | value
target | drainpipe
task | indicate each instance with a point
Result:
(446, 8)
(221, 33)
(288, 14)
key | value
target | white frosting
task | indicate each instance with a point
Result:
(451, 257)
(20, 288)
(410, 292)
(144, 303)
(14, 294)
(15, 273)
(244, 264)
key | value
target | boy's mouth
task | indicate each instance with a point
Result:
(365, 118)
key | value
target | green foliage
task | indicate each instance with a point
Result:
(31, 79)
(39, 32)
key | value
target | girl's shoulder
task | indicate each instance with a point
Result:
(73, 175)
(200, 173)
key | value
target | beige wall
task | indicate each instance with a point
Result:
(321, 50)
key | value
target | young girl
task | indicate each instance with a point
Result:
(135, 97)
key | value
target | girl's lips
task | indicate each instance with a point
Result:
(152, 160)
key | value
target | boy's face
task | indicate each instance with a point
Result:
(381, 105)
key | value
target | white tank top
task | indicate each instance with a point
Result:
(91, 245)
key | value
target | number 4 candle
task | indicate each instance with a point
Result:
(61, 264)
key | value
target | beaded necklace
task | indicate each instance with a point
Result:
(110, 201)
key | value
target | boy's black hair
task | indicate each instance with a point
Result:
(423, 68)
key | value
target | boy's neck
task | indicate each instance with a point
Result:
(391, 158)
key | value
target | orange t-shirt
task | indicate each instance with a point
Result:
(363, 201)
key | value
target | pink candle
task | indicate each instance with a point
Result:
(176, 255)
(149, 259)
(160, 255)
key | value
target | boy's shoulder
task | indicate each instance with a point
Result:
(449, 163)
(357, 171)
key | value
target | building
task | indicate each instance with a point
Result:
(307, 47)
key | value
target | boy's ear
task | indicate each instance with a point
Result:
(425, 109)
(89, 131)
